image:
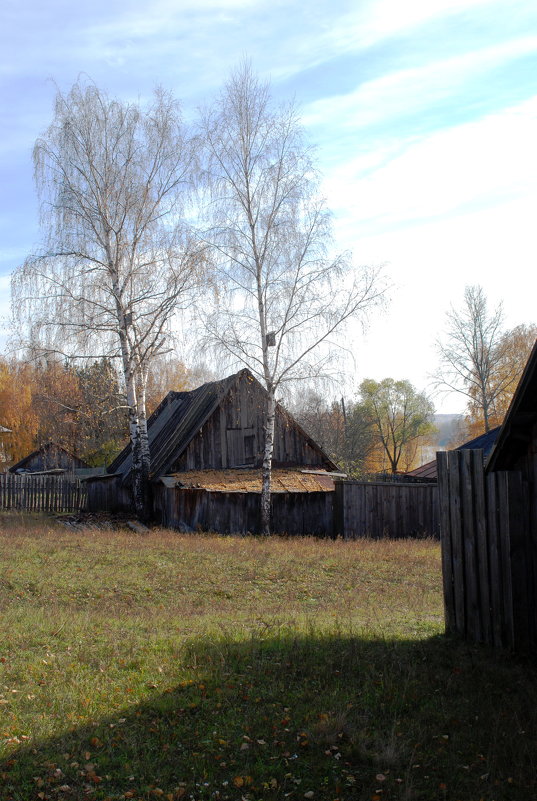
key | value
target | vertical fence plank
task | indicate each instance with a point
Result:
(455, 514)
(471, 576)
(532, 537)
(508, 634)
(519, 558)
(446, 543)
(480, 523)
(495, 572)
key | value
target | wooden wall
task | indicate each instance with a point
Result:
(107, 495)
(353, 510)
(382, 509)
(489, 554)
(52, 457)
(233, 436)
(297, 513)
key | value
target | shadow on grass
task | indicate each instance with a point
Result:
(305, 717)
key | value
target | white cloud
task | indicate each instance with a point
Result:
(379, 19)
(452, 171)
(411, 90)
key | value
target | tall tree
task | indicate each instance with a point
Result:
(56, 401)
(102, 414)
(281, 298)
(511, 356)
(115, 262)
(339, 428)
(398, 414)
(471, 352)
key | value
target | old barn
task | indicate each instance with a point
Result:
(206, 450)
(49, 457)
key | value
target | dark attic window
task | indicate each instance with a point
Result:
(249, 449)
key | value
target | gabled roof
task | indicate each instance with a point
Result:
(177, 420)
(484, 442)
(515, 433)
(43, 449)
(174, 423)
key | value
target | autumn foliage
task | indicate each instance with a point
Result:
(81, 408)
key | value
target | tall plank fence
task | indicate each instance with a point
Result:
(46, 493)
(488, 560)
(378, 510)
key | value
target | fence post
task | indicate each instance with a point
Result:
(445, 540)
(338, 514)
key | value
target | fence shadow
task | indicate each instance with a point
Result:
(283, 717)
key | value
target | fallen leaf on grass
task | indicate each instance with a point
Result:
(242, 781)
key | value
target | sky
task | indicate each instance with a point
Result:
(423, 114)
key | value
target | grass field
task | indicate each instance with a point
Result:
(200, 667)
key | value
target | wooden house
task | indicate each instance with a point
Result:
(206, 453)
(49, 457)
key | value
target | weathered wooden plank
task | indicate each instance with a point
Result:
(495, 572)
(457, 551)
(519, 558)
(504, 514)
(471, 575)
(532, 545)
(445, 540)
(480, 522)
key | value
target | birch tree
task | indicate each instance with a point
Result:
(471, 353)
(282, 300)
(115, 261)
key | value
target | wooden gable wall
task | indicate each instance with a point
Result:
(233, 435)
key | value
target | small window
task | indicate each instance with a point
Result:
(249, 449)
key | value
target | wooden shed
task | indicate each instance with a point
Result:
(206, 452)
(49, 456)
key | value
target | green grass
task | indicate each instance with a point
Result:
(200, 667)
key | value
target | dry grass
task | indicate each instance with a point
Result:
(211, 667)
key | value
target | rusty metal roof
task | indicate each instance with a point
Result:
(427, 470)
(241, 480)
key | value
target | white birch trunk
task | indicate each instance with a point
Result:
(144, 512)
(267, 462)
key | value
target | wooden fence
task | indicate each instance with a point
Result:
(488, 560)
(295, 513)
(379, 509)
(45, 493)
(107, 494)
